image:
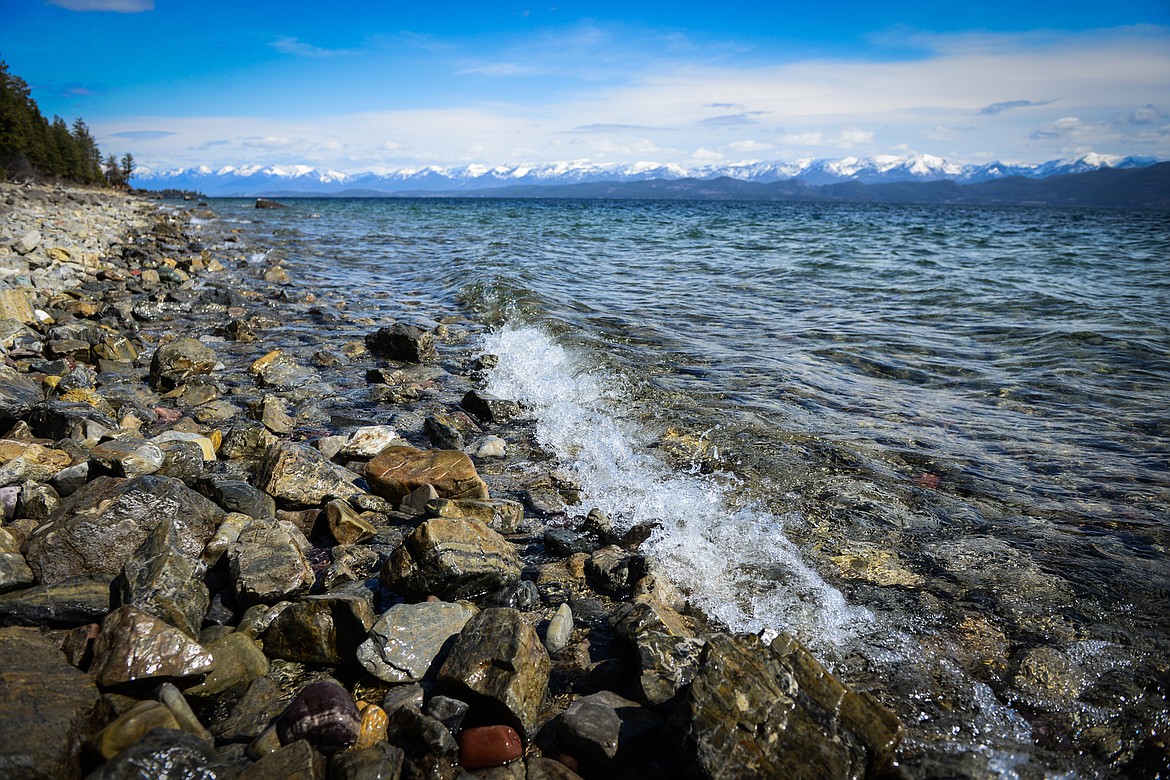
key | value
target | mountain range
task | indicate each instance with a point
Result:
(304, 180)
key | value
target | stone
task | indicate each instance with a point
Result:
(273, 415)
(325, 629)
(502, 515)
(14, 572)
(295, 761)
(407, 639)
(268, 564)
(379, 762)
(443, 431)
(42, 695)
(238, 660)
(174, 700)
(166, 753)
(373, 727)
(38, 501)
(229, 530)
(131, 726)
(452, 559)
(397, 470)
(667, 664)
(614, 570)
(134, 646)
(26, 462)
(27, 242)
(99, 527)
(18, 395)
(64, 420)
(406, 343)
(560, 628)
(68, 603)
(489, 408)
(448, 711)
(756, 710)
(246, 441)
(487, 746)
(499, 664)
(300, 475)
(423, 738)
(324, 714)
(236, 495)
(14, 305)
(179, 360)
(368, 440)
(205, 444)
(262, 701)
(403, 696)
(542, 768)
(160, 579)
(415, 502)
(562, 542)
(633, 618)
(487, 447)
(604, 727)
(346, 525)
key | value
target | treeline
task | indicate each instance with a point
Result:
(32, 147)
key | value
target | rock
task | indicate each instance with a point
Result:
(131, 726)
(265, 203)
(500, 514)
(301, 475)
(14, 572)
(346, 525)
(407, 639)
(667, 664)
(324, 629)
(14, 305)
(238, 496)
(450, 712)
(560, 628)
(26, 243)
(273, 415)
(324, 715)
(295, 761)
(178, 361)
(166, 753)
(238, 659)
(487, 447)
(452, 559)
(633, 618)
(229, 531)
(604, 727)
(369, 440)
(406, 343)
(425, 740)
(374, 723)
(773, 711)
(397, 470)
(487, 746)
(403, 696)
(489, 408)
(135, 646)
(127, 456)
(1047, 672)
(43, 695)
(174, 700)
(246, 441)
(443, 431)
(26, 462)
(206, 446)
(614, 570)
(415, 502)
(549, 769)
(499, 664)
(63, 420)
(98, 528)
(268, 563)
(160, 579)
(18, 395)
(76, 601)
(263, 700)
(380, 762)
(38, 501)
(562, 542)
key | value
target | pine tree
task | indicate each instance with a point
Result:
(127, 167)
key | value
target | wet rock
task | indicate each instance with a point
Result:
(174, 700)
(324, 715)
(174, 363)
(773, 711)
(1047, 672)
(64, 420)
(415, 502)
(549, 769)
(98, 528)
(666, 663)
(443, 431)
(406, 343)
(452, 559)
(368, 440)
(238, 659)
(373, 727)
(488, 408)
(346, 525)
(406, 640)
(273, 414)
(127, 457)
(131, 726)
(14, 572)
(296, 761)
(499, 664)
(301, 475)
(236, 495)
(323, 629)
(43, 695)
(268, 563)
(614, 570)
(487, 447)
(246, 441)
(351, 563)
(500, 514)
(522, 595)
(403, 696)
(229, 531)
(380, 762)
(263, 700)
(605, 727)
(396, 471)
(166, 753)
(76, 601)
(135, 646)
(450, 712)
(631, 619)
(563, 542)
(487, 746)
(26, 462)
(426, 741)
(560, 628)
(18, 395)
(162, 580)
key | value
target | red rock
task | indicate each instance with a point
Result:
(486, 746)
(927, 480)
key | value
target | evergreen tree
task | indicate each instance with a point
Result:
(127, 167)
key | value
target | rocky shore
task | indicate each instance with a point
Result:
(247, 536)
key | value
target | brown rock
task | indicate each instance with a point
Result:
(134, 646)
(452, 559)
(485, 746)
(398, 470)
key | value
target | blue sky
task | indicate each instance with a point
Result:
(358, 86)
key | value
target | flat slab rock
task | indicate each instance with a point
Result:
(398, 470)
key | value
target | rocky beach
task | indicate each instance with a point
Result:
(215, 563)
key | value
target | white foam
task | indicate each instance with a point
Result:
(735, 563)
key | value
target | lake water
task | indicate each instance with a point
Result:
(931, 442)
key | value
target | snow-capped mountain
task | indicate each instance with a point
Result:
(253, 180)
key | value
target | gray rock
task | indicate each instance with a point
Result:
(324, 715)
(236, 495)
(560, 628)
(402, 696)
(421, 736)
(64, 420)
(443, 432)
(160, 579)
(667, 663)
(182, 460)
(238, 660)
(500, 514)
(368, 440)
(380, 762)
(604, 727)
(261, 703)
(450, 712)
(18, 395)
(68, 603)
(406, 343)
(127, 457)
(26, 243)
(614, 570)
(489, 408)
(487, 447)
(405, 642)
(415, 502)
(38, 501)
(302, 476)
(174, 363)
(562, 542)
(452, 559)
(43, 695)
(499, 664)
(297, 760)
(268, 564)
(166, 753)
(14, 572)
(134, 646)
(246, 441)
(323, 629)
(541, 768)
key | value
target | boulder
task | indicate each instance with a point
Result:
(99, 527)
(166, 753)
(398, 470)
(175, 362)
(76, 601)
(324, 715)
(499, 665)
(236, 495)
(325, 629)
(160, 579)
(267, 563)
(666, 663)
(452, 559)
(131, 726)
(135, 646)
(604, 727)
(43, 695)
(406, 343)
(302, 476)
(407, 639)
(14, 572)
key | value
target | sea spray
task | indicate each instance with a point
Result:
(736, 563)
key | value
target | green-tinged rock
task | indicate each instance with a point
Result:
(452, 559)
(238, 659)
(131, 726)
(72, 602)
(160, 579)
(500, 514)
(134, 646)
(406, 641)
(324, 629)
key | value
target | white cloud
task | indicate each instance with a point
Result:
(749, 146)
(117, 6)
(296, 47)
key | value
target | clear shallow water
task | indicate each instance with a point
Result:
(932, 442)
